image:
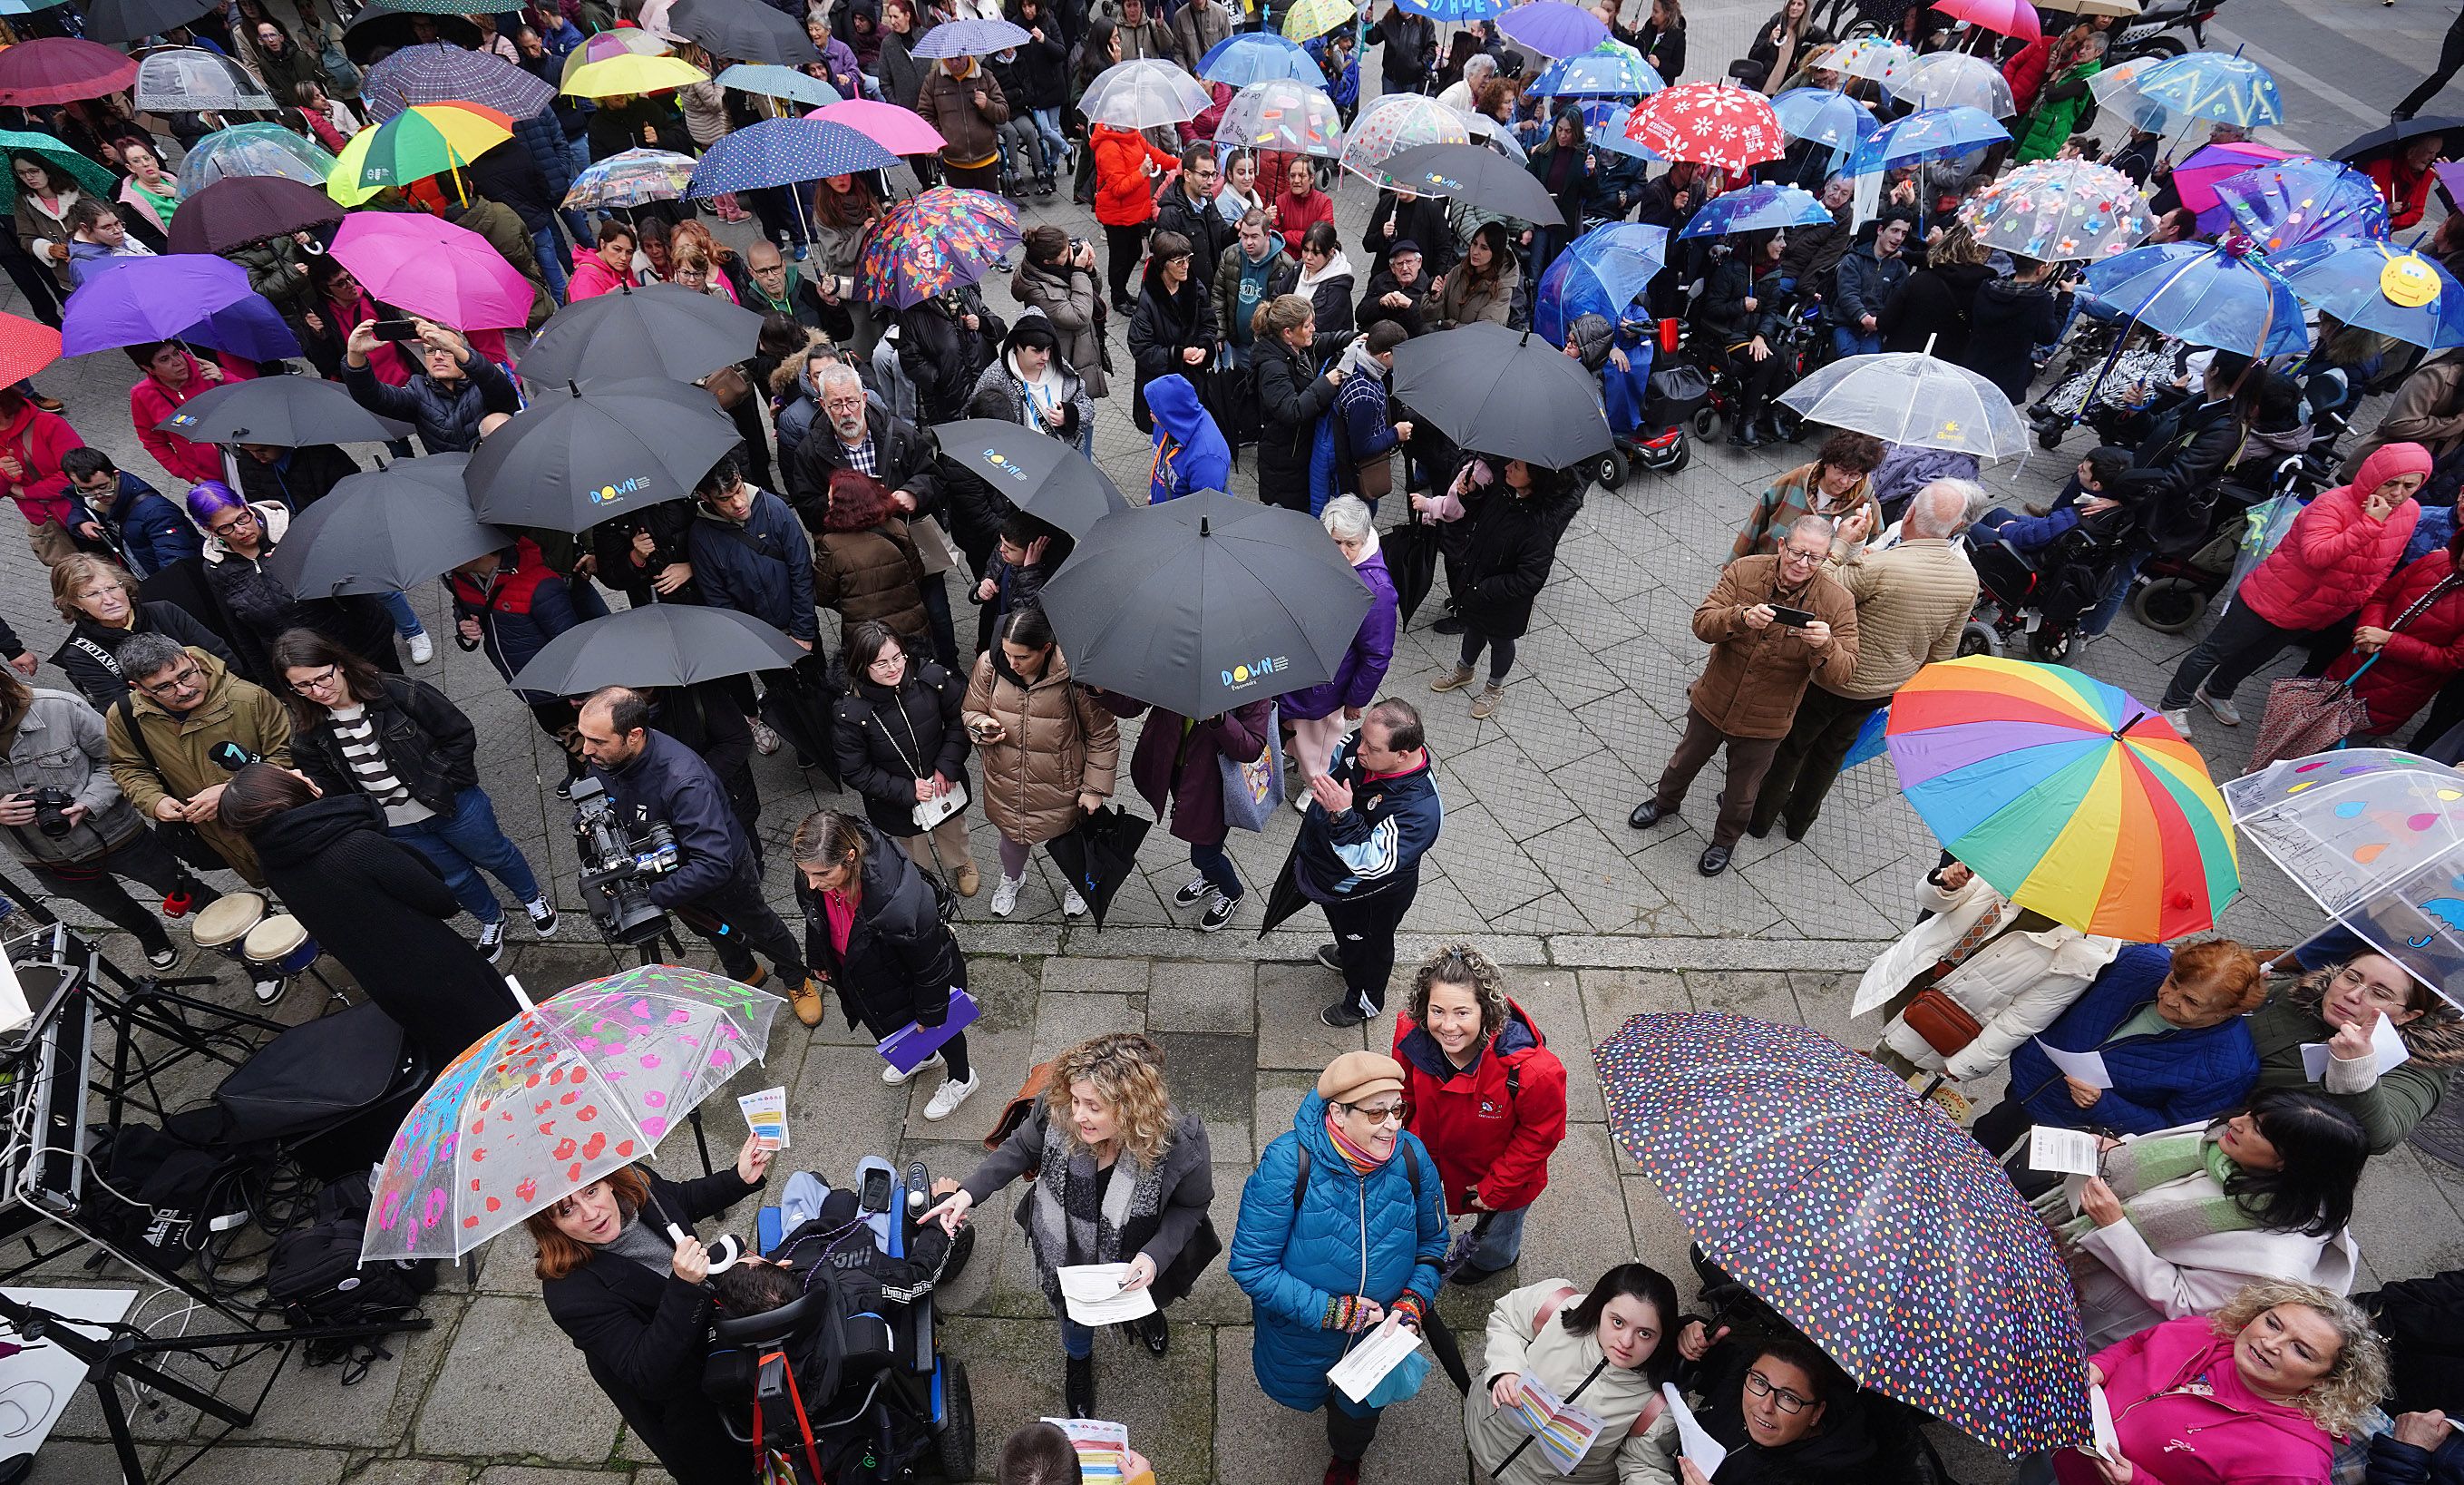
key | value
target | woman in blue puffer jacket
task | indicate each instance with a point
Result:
(1341, 1222)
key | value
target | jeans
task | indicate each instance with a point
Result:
(546, 247)
(463, 844)
(1217, 868)
(2240, 643)
(1077, 1342)
(95, 885)
(1499, 1240)
(1019, 147)
(1501, 654)
(577, 154)
(2117, 589)
(404, 622)
(1849, 340)
(1048, 125)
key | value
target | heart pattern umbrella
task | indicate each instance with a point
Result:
(1715, 123)
(1283, 115)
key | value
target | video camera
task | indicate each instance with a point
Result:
(616, 867)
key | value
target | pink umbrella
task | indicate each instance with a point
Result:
(899, 130)
(2011, 17)
(2195, 178)
(434, 269)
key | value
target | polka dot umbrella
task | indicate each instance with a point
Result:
(1861, 1212)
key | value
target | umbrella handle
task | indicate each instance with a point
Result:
(723, 1254)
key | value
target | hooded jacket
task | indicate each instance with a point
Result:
(151, 400)
(901, 962)
(36, 440)
(1493, 1126)
(1292, 395)
(1464, 298)
(1071, 300)
(2335, 556)
(1272, 275)
(763, 567)
(1362, 670)
(1124, 195)
(296, 478)
(1190, 453)
(1057, 742)
(1511, 547)
(1865, 283)
(1294, 215)
(1524, 1337)
(949, 104)
(153, 532)
(520, 607)
(232, 710)
(258, 606)
(2242, 1439)
(1329, 291)
(866, 566)
(2418, 658)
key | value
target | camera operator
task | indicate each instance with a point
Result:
(70, 822)
(653, 779)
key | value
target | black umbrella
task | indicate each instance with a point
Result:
(286, 411)
(1043, 476)
(134, 20)
(573, 458)
(2387, 136)
(381, 532)
(1475, 175)
(746, 29)
(382, 29)
(1411, 553)
(1098, 854)
(656, 645)
(1285, 898)
(239, 209)
(1503, 392)
(1205, 603)
(683, 335)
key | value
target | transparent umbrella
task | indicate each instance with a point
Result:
(1870, 58)
(1283, 115)
(2058, 211)
(191, 80)
(1143, 94)
(1955, 79)
(254, 149)
(1395, 122)
(1913, 400)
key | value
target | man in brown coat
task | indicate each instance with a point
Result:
(1774, 624)
(961, 99)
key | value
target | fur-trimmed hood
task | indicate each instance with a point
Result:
(788, 381)
(2436, 1038)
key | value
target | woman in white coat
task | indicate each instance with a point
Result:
(2180, 1220)
(1965, 986)
(1606, 1353)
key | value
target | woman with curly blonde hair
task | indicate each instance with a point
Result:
(1120, 1177)
(1483, 1091)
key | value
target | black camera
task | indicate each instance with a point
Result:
(616, 867)
(51, 812)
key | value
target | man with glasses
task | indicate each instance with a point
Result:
(868, 440)
(1188, 207)
(1373, 814)
(781, 288)
(451, 390)
(1775, 624)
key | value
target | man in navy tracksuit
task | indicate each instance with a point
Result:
(1374, 815)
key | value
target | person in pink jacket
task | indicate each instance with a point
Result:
(31, 442)
(2254, 1395)
(2414, 625)
(2340, 548)
(172, 376)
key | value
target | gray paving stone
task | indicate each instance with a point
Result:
(65, 1461)
(1095, 976)
(531, 1475)
(512, 1384)
(248, 1464)
(1289, 1033)
(411, 1472)
(1191, 996)
(1065, 1020)
(1569, 1235)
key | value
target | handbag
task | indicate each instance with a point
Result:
(188, 845)
(926, 812)
(1946, 1026)
(729, 386)
(1253, 787)
(2315, 715)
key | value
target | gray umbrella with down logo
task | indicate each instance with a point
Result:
(1040, 474)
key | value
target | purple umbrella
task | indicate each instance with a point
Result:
(252, 328)
(974, 36)
(441, 73)
(139, 299)
(1553, 27)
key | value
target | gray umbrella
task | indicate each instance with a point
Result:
(656, 645)
(1503, 392)
(1475, 175)
(1205, 603)
(573, 458)
(684, 335)
(1048, 479)
(383, 531)
(285, 411)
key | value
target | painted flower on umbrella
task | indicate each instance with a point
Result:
(1712, 123)
(934, 242)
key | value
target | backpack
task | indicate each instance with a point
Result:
(166, 1196)
(316, 1276)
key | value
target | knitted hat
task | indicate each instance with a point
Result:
(1359, 1075)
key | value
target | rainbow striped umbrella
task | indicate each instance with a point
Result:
(2066, 795)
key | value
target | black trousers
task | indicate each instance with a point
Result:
(96, 884)
(1348, 1435)
(1123, 246)
(745, 924)
(2451, 59)
(1364, 940)
(1809, 758)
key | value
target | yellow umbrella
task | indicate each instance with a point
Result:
(429, 139)
(601, 45)
(632, 73)
(1317, 17)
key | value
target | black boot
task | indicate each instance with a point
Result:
(1078, 1388)
(1746, 435)
(1154, 1331)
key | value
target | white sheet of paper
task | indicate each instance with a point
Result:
(14, 1012)
(42, 1380)
(2071, 1152)
(765, 1113)
(1367, 1364)
(1094, 1294)
(2386, 1041)
(2088, 1066)
(2099, 1416)
(1692, 1442)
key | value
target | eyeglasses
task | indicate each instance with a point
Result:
(323, 680)
(888, 660)
(237, 519)
(1782, 1398)
(187, 676)
(1383, 1113)
(1792, 554)
(841, 403)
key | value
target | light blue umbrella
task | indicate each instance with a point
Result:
(970, 36)
(1249, 57)
(1553, 27)
(1456, 10)
(1826, 116)
(2203, 295)
(2300, 200)
(1602, 273)
(1931, 134)
(1757, 208)
(785, 152)
(1610, 70)
(1604, 128)
(2212, 86)
(2367, 283)
(768, 80)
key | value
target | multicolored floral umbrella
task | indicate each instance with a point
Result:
(1394, 122)
(1281, 114)
(2058, 211)
(556, 1098)
(1716, 123)
(2067, 795)
(631, 179)
(934, 242)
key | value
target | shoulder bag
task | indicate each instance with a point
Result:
(182, 837)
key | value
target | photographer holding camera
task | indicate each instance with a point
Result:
(651, 778)
(70, 822)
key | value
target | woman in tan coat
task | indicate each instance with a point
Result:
(1049, 750)
(865, 562)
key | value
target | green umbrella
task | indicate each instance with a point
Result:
(88, 174)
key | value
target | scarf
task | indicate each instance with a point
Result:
(2142, 1173)
(1337, 266)
(1361, 1162)
(1066, 1225)
(1042, 391)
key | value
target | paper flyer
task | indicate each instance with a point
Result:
(1101, 1446)
(1696, 1445)
(2088, 1066)
(765, 1112)
(1093, 1294)
(2068, 1152)
(1564, 1433)
(1367, 1364)
(2386, 1042)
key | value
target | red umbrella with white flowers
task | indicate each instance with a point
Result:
(1716, 123)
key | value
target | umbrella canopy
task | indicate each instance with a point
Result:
(62, 70)
(381, 532)
(1553, 27)
(191, 80)
(1204, 604)
(886, 124)
(1757, 208)
(1394, 122)
(1711, 122)
(447, 7)
(1866, 1217)
(1144, 93)
(2011, 17)
(684, 335)
(1825, 116)
(631, 178)
(632, 73)
(746, 29)
(2232, 89)
(571, 460)
(1932, 134)
(656, 645)
(1915, 400)
(765, 80)
(1604, 121)
(1602, 272)
(252, 328)
(49, 149)
(1043, 476)
(1456, 11)
(2385, 138)
(2301, 200)
(970, 36)
(432, 267)
(236, 210)
(286, 411)
(1955, 80)
(785, 152)
(1610, 70)
(2066, 795)
(1478, 176)
(601, 46)
(425, 139)
(1311, 18)
(1284, 115)
(148, 298)
(383, 28)
(1249, 57)
(934, 242)
(1505, 393)
(2376, 286)
(2090, 7)
(1870, 58)
(2058, 211)
(2195, 178)
(441, 73)
(612, 1066)
(134, 20)
(26, 347)
(244, 149)
(2203, 295)
(1488, 131)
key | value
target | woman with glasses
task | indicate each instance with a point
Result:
(1341, 1223)
(1173, 329)
(901, 746)
(1786, 1414)
(97, 599)
(1607, 1352)
(2343, 1007)
(240, 540)
(1118, 1176)
(402, 744)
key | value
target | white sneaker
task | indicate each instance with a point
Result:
(947, 1098)
(1301, 802)
(765, 737)
(2226, 712)
(1005, 895)
(543, 916)
(1072, 905)
(2180, 719)
(492, 940)
(422, 647)
(893, 1077)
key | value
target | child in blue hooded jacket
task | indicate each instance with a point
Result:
(1190, 453)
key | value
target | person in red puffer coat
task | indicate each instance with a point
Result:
(1483, 1091)
(2414, 625)
(2341, 547)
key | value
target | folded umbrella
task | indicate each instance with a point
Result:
(1503, 392)
(62, 70)
(1757, 208)
(1144, 93)
(134, 20)
(1411, 551)
(766, 80)
(1249, 57)
(381, 28)
(655, 645)
(1098, 854)
(285, 411)
(968, 35)
(632, 178)
(573, 458)
(236, 210)
(785, 152)
(1476, 176)
(432, 267)
(52, 152)
(746, 29)
(381, 532)
(191, 80)
(1912, 400)
(1043, 476)
(685, 336)
(148, 298)
(242, 150)
(440, 72)
(886, 124)
(1553, 27)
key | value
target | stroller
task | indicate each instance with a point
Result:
(835, 1375)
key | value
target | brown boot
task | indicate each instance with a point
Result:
(1484, 706)
(807, 999)
(1453, 680)
(966, 879)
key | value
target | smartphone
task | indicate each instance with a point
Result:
(1793, 618)
(875, 1195)
(394, 330)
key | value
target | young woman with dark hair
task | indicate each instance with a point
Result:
(1606, 1352)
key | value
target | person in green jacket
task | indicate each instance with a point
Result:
(2059, 106)
(2340, 1008)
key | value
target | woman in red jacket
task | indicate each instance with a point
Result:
(31, 442)
(2342, 547)
(1483, 1091)
(172, 376)
(1125, 201)
(2414, 625)
(1300, 205)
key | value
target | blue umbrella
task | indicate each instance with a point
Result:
(1553, 27)
(2365, 283)
(1602, 273)
(2212, 86)
(1932, 134)
(1609, 70)
(2301, 200)
(1604, 128)
(970, 36)
(1456, 10)
(2203, 295)
(1757, 208)
(1826, 116)
(768, 80)
(1249, 57)
(785, 151)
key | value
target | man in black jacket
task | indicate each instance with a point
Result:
(445, 400)
(1188, 207)
(714, 887)
(851, 434)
